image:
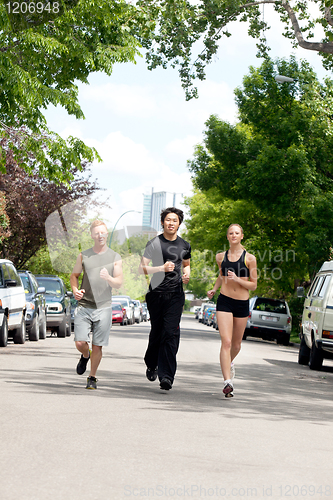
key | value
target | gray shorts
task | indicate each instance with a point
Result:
(97, 322)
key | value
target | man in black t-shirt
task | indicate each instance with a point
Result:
(170, 256)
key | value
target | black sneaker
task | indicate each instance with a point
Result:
(91, 383)
(151, 374)
(82, 365)
(166, 384)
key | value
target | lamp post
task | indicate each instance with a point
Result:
(114, 227)
(284, 79)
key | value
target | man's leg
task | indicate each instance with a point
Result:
(83, 348)
(101, 327)
(82, 328)
(154, 307)
(172, 311)
(95, 359)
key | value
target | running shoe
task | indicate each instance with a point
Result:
(232, 371)
(228, 389)
(165, 384)
(91, 383)
(151, 374)
(82, 364)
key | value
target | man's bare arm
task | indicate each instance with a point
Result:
(74, 278)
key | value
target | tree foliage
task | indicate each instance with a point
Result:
(272, 172)
(183, 23)
(30, 199)
(40, 66)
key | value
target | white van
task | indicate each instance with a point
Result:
(316, 332)
(12, 304)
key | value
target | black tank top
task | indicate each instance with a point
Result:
(239, 267)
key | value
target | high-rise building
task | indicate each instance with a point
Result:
(146, 210)
(153, 204)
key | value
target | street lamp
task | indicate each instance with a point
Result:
(114, 227)
(284, 79)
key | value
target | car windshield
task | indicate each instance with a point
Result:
(270, 305)
(52, 287)
(116, 307)
(26, 284)
(122, 302)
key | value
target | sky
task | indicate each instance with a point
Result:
(145, 130)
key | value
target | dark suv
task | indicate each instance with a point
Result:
(35, 317)
(58, 301)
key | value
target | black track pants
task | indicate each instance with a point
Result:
(165, 311)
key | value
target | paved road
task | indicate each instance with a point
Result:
(131, 440)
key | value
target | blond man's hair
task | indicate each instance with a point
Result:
(96, 223)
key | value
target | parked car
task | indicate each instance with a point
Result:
(269, 319)
(203, 308)
(207, 315)
(58, 301)
(197, 309)
(137, 311)
(316, 332)
(117, 313)
(35, 318)
(214, 321)
(127, 303)
(12, 304)
(145, 312)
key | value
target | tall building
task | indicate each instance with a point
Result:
(153, 204)
(146, 210)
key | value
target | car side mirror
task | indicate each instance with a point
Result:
(41, 289)
(300, 291)
(10, 283)
(70, 294)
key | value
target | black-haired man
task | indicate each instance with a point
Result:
(170, 256)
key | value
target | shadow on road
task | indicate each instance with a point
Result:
(275, 390)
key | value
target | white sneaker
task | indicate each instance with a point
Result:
(232, 371)
(228, 389)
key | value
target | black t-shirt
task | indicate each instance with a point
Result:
(160, 250)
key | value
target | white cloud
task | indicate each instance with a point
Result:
(183, 148)
(122, 99)
(123, 156)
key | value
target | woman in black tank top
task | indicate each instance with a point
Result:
(238, 275)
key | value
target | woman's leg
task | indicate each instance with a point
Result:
(225, 324)
(239, 325)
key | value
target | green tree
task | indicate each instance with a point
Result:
(273, 172)
(40, 66)
(183, 23)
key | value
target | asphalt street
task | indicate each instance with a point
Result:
(129, 439)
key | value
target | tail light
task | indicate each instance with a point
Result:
(250, 313)
(289, 320)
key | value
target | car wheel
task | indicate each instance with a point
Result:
(4, 332)
(303, 353)
(20, 332)
(316, 357)
(62, 329)
(285, 339)
(34, 332)
(42, 329)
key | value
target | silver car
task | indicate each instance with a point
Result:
(269, 319)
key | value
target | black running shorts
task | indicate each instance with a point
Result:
(238, 308)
